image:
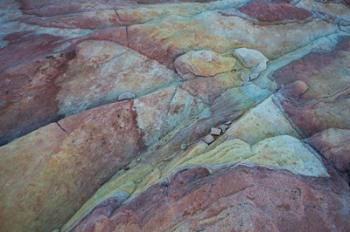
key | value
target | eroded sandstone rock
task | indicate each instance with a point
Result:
(264, 121)
(215, 131)
(252, 59)
(118, 96)
(208, 139)
(324, 104)
(240, 199)
(270, 11)
(204, 63)
(334, 145)
(44, 172)
(67, 84)
(102, 71)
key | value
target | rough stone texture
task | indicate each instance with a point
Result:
(280, 152)
(325, 104)
(262, 121)
(104, 106)
(239, 199)
(28, 86)
(203, 63)
(208, 139)
(266, 11)
(252, 59)
(102, 71)
(215, 131)
(334, 145)
(98, 74)
(44, 173)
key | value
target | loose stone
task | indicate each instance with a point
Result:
(209, 139)
(215, 131)
(223, 127)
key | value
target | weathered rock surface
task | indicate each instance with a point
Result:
(261, 120)
(274, 11)
(252, 59)
(164, 115)
(204, 63)
(334, 145)
(237, 199)
(49, 167)
(325, 103)
(102, 71)
(98, 74)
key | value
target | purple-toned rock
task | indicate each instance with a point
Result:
(334, 145)
(237, 199)
(104, 106)
(28, 88)
(316, 89)
(45, 173)
(266, 11)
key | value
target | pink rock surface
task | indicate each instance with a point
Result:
(104, 106)
(26, 46)
(28, 89)
(240, 199)
(325, 74)
(274, 12)
(51, 166)
(334, 145)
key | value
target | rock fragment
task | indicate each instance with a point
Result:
(215, 131)
(208, 139)
(223, 127)
(228, 123)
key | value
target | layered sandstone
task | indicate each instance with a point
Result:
(174, 115)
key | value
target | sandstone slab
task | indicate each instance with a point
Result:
(334, 145)
(44, 172)
(325, 102)
(104, 106)
(238, 199)
(264, 121)
(204, 63)
(266, 11)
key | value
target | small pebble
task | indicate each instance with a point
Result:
(223, 127)
(209, 139)
(228, 123)
(215, 131)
